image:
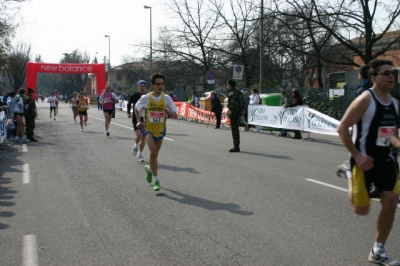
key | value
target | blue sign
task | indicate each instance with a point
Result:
(210, 75)
(114, 85)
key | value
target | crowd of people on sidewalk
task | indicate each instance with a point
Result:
(20, 114)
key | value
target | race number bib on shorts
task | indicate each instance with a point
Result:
(384, 136)
(157, 117)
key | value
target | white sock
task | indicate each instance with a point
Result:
(135, 146)
(379, 248)
(156, 178)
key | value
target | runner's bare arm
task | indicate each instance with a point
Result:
(353, 114)
(395, 139)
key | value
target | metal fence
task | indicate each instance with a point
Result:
(322, 101)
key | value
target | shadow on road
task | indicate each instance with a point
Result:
(6, 192)
(204, 203)
(274, 156)
(178, 169)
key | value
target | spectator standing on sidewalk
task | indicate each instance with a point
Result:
(296, 100)
(216, 108)
(30, 114)
(246, 97)
(236, 110)
(363, 77)
(18, 110)
(255, 99)
(284, 102)
(195, 100)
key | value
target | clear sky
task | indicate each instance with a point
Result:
(55, 27)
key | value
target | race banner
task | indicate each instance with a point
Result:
(317, 122)
(298, 118)
(276, 116)
(205, 116)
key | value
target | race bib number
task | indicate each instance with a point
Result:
(106, 100)
(83, 106)
(142, 113)
(384, 136)
(157, 117)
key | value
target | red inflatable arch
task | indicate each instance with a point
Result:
(33, 68)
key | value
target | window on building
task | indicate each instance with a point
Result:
(119, 76)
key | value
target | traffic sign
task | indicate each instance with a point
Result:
(210, 75)
(238, 72)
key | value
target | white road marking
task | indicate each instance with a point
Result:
(327, 185)
(29, 251)
(336, 187)
(24, 148)
(26, 176)
(131, 128)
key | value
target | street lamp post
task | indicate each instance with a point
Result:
(109, 58)
(151, 42)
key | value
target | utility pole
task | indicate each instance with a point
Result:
(261, 45)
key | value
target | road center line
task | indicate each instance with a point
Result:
(29, 251)
(336, 187)
(24, 148)
(26, 177)
(131, 128)
(326, 184)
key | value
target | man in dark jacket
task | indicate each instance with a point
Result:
(365, 82)
(140, 141)
(296, 100)
(236, 110)
(216, 108)
(30, 115)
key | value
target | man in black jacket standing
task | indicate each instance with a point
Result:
(216, 108)
(139, 137)
(236, 107)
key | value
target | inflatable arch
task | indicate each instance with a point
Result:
(33, 68)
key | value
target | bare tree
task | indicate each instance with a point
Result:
(303, 36)
(190, 41)
(354, 24)
(236, 41)
(15, 65)
(73, 82)
(8, 24)
(134, 70)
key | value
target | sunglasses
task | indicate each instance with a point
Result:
(158, 83)
(388, 73)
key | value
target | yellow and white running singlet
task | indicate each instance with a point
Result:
(154, 118)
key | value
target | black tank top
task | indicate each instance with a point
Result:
(375, 128)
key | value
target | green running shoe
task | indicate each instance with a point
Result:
(157, 185)
(149, 173)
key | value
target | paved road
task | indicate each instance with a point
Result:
(80, 198)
